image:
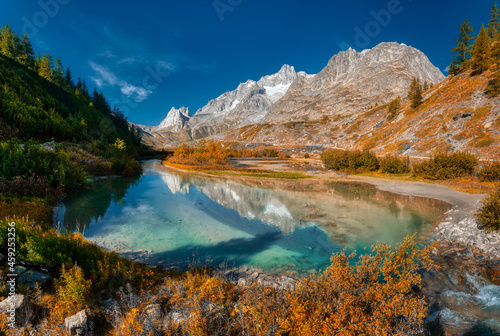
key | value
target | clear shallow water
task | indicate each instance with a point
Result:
(287, 225)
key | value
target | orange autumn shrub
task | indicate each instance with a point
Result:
(260, 310)
(374, 296)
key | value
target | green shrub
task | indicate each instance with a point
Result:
(270, 152)
(72, 289)
(446, 166)
(306, 156)
(395, 165)
(490, 172)
(350, 161)
(46, 247)
(335, 159)
(31, 160)
(489, 214)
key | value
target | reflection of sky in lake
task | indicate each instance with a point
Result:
(177, 216)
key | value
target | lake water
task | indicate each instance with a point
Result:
(278, 226)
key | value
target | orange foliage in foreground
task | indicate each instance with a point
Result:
(376, 295)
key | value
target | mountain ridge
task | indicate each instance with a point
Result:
(350, 86)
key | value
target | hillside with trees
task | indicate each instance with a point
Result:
(40, 103)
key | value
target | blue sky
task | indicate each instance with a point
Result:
(151, 55)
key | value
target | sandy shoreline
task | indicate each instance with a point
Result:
(463, 205)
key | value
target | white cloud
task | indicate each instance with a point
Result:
(139, 93)
(104, 76)
(127, 60)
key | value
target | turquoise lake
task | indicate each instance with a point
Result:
(169, 218)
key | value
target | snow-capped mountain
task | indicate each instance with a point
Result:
(246, 105)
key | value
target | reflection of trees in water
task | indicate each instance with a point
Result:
(92, 204)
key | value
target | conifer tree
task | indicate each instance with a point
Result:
(85, 90)
(464, 44)
(480, 52)
(79, 86)
(29, 53)
(46, 67)
(415, 93)
(9, 42)
(59, 73)
(68, 78)
(38, 62)
(494, 22)
(495, 51)
(394, 108)
(453, 68)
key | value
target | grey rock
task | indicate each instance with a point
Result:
(31, 278)
(242, 282)
(254, 276)
(175, 120)
(468, 233)
(16, 301)
(111, 308)
(153, 311)
(79, 324)
(17, 307)
(177, 317)
(20, 270)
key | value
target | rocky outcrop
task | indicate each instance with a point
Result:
(468, 233)
(79, 324)
(175, 121)
(17, 309)
(464, 292)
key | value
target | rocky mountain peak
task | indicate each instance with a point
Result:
(354, 80)
(248, 104)
(176, 120)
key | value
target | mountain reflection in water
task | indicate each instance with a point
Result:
(269, 224)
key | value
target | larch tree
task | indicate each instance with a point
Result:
(464, 44)
(415, 93)
(480, 52)
(494, 22)
(9, 42)
(29, 53)
(453, 68)
(394, 108)
(46, 67)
